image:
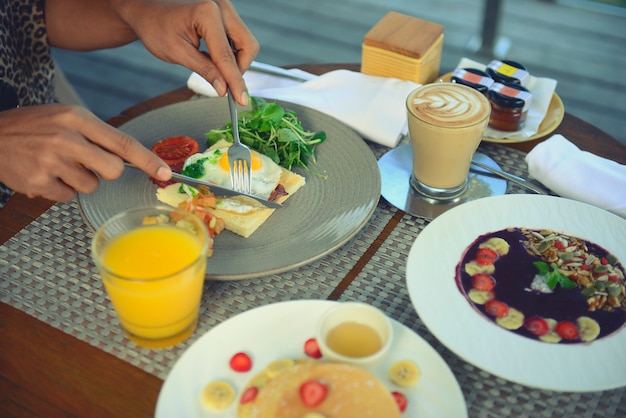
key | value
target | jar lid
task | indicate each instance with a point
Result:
(472, 77)
(508, 71)
(510, 95)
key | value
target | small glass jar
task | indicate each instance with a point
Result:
(509, 106)
(507, 71)
(473, 78)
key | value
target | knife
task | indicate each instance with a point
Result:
(273, 70)
(513, 178)
(217, 190)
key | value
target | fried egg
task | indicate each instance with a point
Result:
(212, 166)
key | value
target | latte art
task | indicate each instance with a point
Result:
(449, 105)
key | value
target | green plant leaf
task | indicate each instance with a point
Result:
(554, 278)
(271, 130)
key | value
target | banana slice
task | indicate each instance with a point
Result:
(473, 267)
(551, 336)
(278, 366)
(218, 395)
(404, 373)
(480, 296)
(512, 320)
(497, 244)
(588, 328)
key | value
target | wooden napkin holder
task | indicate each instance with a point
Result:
(403, 47)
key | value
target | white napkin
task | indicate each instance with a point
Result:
(254, 81)
(372, 106)
(579, 175)
(541, 89)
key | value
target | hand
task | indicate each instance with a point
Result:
(55, 150)
(173, 31)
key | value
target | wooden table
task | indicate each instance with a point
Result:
(46, 372)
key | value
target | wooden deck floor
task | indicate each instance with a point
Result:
(583, 48)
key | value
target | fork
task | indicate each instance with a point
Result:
(513, 178)
(239, 155)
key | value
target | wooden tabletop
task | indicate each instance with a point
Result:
(46, 372)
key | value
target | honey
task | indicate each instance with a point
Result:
(509, 106)
(354, 339)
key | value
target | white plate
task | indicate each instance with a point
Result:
(279, 331)
(600, 365)
(318, 219)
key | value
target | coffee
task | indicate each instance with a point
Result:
(446, 124)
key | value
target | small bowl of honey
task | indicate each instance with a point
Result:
(355, 333)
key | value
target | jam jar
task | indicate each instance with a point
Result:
(473, 78)
(509, 106)
(507, 71)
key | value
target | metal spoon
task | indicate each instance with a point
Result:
(512, 178)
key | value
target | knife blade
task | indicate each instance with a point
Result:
(273, 70)
(217, 190)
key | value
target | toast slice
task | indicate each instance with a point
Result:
(239, 216)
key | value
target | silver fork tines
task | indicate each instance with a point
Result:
(239, 176)
(239, 156)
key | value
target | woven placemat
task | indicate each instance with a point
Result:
(382, 284)
(48, 273)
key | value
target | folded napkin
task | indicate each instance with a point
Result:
(372, 106)
(541, 89)
(579, 175)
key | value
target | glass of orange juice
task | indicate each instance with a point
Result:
(152, 262)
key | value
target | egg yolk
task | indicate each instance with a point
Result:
(256, 162)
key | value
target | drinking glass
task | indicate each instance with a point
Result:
(152, 262)
(446, 124)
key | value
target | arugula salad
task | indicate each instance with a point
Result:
(270, 129)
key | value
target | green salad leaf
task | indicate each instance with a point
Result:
(270, 129)
(554, 278)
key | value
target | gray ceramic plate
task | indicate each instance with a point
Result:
(315, 221)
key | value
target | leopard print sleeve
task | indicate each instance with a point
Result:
(25, 58)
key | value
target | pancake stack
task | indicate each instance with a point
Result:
(349, 392)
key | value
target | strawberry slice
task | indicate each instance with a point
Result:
(249, 394)
(567, 330)
(482, 281)
(536, 326)
(312, 348)
(241, 362)
(486, 256)
(401, 400)
(496, 308)
(313, 393)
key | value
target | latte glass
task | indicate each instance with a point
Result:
(446, 124)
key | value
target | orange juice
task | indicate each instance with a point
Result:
(154, 277)
(353, 339)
